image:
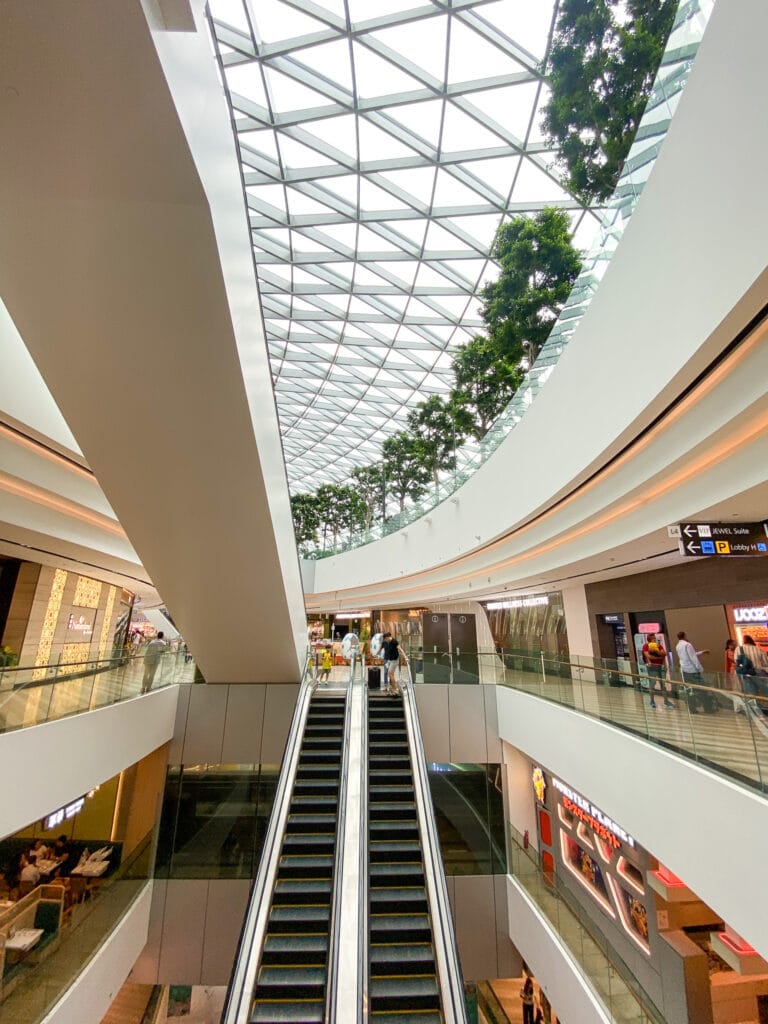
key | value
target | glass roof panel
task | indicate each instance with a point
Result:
(391, 171)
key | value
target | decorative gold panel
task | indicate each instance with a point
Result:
(87, 593)
(49, 623)
(104, 639)
(70, 654)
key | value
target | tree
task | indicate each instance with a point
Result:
(340, 508)
(538, 268)
(306, 517)
(433, 428)
(368, 481)
(404, 472)
(484, 382)
(601, 69)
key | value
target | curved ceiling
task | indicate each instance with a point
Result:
(379, 155)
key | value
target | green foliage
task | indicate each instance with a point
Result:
(433, 429)
(340, 508)
(368, 481)
(538, 268)
(484, 383)
(404, 472)
(305, 509)
(604, 58)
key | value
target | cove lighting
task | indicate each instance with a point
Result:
(519, 602)
(352, 615)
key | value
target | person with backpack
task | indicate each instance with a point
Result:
(751, 663)
(655, 657)
(391, 661)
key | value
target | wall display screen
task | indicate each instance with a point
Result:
(585, 866)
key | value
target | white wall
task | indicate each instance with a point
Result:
(558, 974)
(88, 999)
(577, 621)
(54, 763)
(709, 831)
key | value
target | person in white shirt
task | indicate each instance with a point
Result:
(688, 657)
(29, 872)
(155, 648)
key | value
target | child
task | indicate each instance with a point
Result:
(326, 664)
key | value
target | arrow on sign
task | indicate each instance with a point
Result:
(693, 548)
(690, 531)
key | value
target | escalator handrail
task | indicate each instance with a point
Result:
(237, 1008)
(449, 977)
(345, 998)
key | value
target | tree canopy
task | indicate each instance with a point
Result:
(601, 67)
(405, 474)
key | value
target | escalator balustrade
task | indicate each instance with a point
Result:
(403, 986)
(292, 979)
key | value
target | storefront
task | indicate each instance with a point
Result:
(748, 620)
(529, 623)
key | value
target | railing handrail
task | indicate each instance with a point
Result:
(67, 664)
(449, 975)
(237, 1007)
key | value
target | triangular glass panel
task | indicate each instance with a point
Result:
(246, 81)
(527, 24)
(450, 192)
(421, 43)
(295, 155)
(510, 107)
(423, 119)
(299, 203)
(536, 187)
(481, 227)
(331, 60)
(339, 132)
(231, 12)
(287, 94)
(416, 182)
(376, 144)
(276, 21)
(498, 172)
(474, 57)
(461, 132)
(376, 76)
(374, 199)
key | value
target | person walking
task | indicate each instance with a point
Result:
(155, 650)
(690, 666)
(655, 659)
(526, 996)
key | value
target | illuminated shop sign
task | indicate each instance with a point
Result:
(581, 808)
(519, 602)
(81, 623)
(64, 813)
(67, 812)
(756, 614)
(649, 627)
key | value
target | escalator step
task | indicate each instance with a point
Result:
(400, 870)
(312, 801)
(395, 810)
(295, 866)
(407, 1017)
(309, 1011)
(400, 928)
(299, 982)
(299, 919)
(318, 757)
(394, 850)
(404, 992)
(316, 787)
(298, 890)
(404, 958)
(390, 791)
(309, 842)
(318, 772)
(311, 823)
(396, 830)
(401, 895)
(295, 949)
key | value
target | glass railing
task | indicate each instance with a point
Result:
(40, 979)
(718, 720)
(612, 982)
(676, 63)
(33, 695)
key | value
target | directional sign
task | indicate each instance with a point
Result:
(726, 540)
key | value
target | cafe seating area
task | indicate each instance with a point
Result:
(29, 929)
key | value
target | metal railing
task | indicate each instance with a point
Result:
(449, 976)
(718, 720)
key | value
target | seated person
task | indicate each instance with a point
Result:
(40, 850)
(29, 872)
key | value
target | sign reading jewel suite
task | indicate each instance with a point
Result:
(726, 540)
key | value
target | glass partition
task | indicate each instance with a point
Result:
(66, 926)
(611, 980)
(31, 696)
(719, 720)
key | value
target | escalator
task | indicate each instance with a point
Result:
(293, 971)
(403, 986)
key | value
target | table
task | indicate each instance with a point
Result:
(23, 940)
(91, 869)
(47, 867)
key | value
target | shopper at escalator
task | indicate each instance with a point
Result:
(392, 655)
